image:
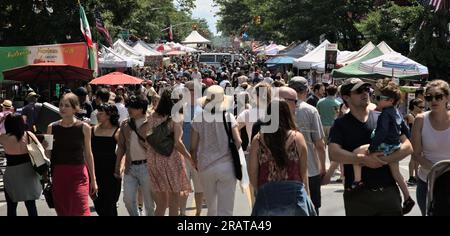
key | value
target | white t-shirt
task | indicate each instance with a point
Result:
(93, 119)
(123, 112)
(196, 75)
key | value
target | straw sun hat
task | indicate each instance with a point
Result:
(215, 97)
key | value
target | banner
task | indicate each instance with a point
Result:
(74, 54)
(330, 57)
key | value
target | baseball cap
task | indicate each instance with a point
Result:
(352, 84)
(298, 83)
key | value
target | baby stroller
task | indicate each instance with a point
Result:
(438, 197)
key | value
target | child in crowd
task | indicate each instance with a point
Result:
(386, 137)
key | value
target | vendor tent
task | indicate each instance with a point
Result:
(395, 65)
(280, 60)
(315, 56)
(142, 48)
(180, 47)
(111, 59)
(299, 50)
(271, 50)
(352, 69)
(350, 58)
(123, 49)
(195, 38)
(320, 66)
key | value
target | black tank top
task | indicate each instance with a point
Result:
(68, 145)
(103, 147)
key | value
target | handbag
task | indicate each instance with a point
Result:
(161, 138)
(234, 151)
(48, 192)
(36, 151)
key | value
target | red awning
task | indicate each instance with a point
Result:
(38, 72)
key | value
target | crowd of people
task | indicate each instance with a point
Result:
(103, 143)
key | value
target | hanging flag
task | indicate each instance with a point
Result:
(86, 31)
(170, 33)
(102, 28)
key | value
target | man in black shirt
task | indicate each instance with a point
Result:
(381, 195)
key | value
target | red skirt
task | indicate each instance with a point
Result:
(71, 190)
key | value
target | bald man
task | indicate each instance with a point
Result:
(284, 93)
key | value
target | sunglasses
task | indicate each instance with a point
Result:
(361, 90)
(437, 97)
(381, 97)
(421, 107)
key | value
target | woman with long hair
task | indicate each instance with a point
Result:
(104, 140)
(72, 163)
(431, 136)
(416, 107)
(21, 181)
(278, 167)
(168, 173)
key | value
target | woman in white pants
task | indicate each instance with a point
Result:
(210, 151)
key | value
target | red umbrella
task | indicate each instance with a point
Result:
(48, 72)
(116, 78)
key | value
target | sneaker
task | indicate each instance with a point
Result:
(408, 205)
(411, 181)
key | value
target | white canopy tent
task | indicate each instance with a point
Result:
(195, 38)
(315, 56)
(181, 47)
(110, 59)
(320, 66)
(142, 48)
(357, 55)
(123, 49)
(385, 48)
(393, 64)
(346, 57)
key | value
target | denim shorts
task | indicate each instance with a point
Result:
(283, 198)
(388, 149)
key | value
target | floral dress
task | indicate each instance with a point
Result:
(167, 174)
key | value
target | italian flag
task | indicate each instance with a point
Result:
(86, 31)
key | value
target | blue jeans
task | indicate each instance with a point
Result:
(421, 194)
(137, 176)
(284, 198)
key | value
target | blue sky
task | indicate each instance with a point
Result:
(204, 9)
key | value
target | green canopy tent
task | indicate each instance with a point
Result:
(351, 70)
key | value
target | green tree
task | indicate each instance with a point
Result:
(396, 25)
(432, 47)
(22, 23)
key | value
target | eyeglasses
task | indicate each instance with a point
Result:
(437, 97)
(421, 107)
(361, 90)
(381, 97)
